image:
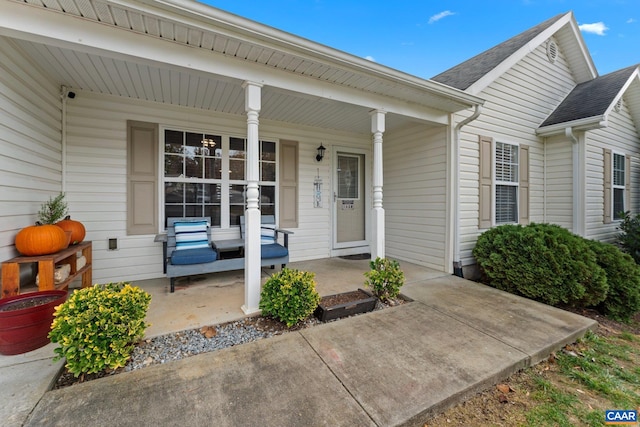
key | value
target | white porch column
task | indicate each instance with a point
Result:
(252, 99)
(377, 215)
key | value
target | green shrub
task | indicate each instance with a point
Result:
(629, 239)
(289, 296)
(97, 326)
(623, 278)
(544, 262)
(385, 278)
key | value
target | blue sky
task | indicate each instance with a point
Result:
(424, 38)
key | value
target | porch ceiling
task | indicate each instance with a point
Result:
(82, 71)
(209, 31)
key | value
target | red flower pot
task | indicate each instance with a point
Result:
(25, 320)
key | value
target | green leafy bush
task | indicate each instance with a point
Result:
(629, 239)
(385, 278)
(97, 326)
(289, 296)
(623, 278)
(544, 262)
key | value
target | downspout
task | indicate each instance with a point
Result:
(63, 96)
(457, 262)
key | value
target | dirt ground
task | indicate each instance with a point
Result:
(507, 403)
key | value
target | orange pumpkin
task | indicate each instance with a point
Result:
(75, 227)
(40, 240)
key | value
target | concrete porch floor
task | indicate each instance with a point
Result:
(215, 298)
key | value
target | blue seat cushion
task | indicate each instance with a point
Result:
(193, 256)
(273, 250)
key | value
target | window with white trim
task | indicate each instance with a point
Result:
(205, 175)
(506, 183)
(618, 185)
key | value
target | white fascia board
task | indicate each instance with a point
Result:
(590, 123)
(251, 31)
(505, 65)
(593, 72)
(634, 76)
(68, 32)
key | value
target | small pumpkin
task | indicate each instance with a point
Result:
(40, 239)
(75, 227)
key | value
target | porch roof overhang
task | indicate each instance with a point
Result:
(582, 125)
(185, 53)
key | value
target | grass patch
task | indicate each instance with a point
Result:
(606, 366)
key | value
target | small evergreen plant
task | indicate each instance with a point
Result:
(289, 296)
(53, 211)
(385, 278)
(97, 327)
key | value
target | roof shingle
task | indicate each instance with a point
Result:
(463, 75)
(590, 99)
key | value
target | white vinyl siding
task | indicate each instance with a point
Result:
(30, 143)
(516, 103)
(559, 182)
(415, 195)
(619, 137)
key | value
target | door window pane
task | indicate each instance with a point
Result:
(348, 177)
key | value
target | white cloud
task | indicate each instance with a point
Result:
(597, 28)
(439, 16)
(630, 21)
(370, 58)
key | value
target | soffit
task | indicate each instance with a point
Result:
(198, 26)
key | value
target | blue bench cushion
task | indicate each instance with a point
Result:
(193, 256)
(191, 235)
(273, 250)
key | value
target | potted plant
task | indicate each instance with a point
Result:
(25, 320)
(45, 237)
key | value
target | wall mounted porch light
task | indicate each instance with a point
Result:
(320, 154)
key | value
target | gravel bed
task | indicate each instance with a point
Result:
(183, 344)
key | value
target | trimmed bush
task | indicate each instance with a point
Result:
(623, 278)
(385, 278)
(544, 262)
(629, 239)
(97, 327)
(289, 296)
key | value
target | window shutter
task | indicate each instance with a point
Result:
(524, 185)
(288, 184)
(142, 176)
(607, 186)
(486, 181)
(627, 183)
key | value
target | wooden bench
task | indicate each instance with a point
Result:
(183, 257)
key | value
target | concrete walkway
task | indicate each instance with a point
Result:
(391, 367)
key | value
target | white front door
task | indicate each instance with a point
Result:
(349, 200)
